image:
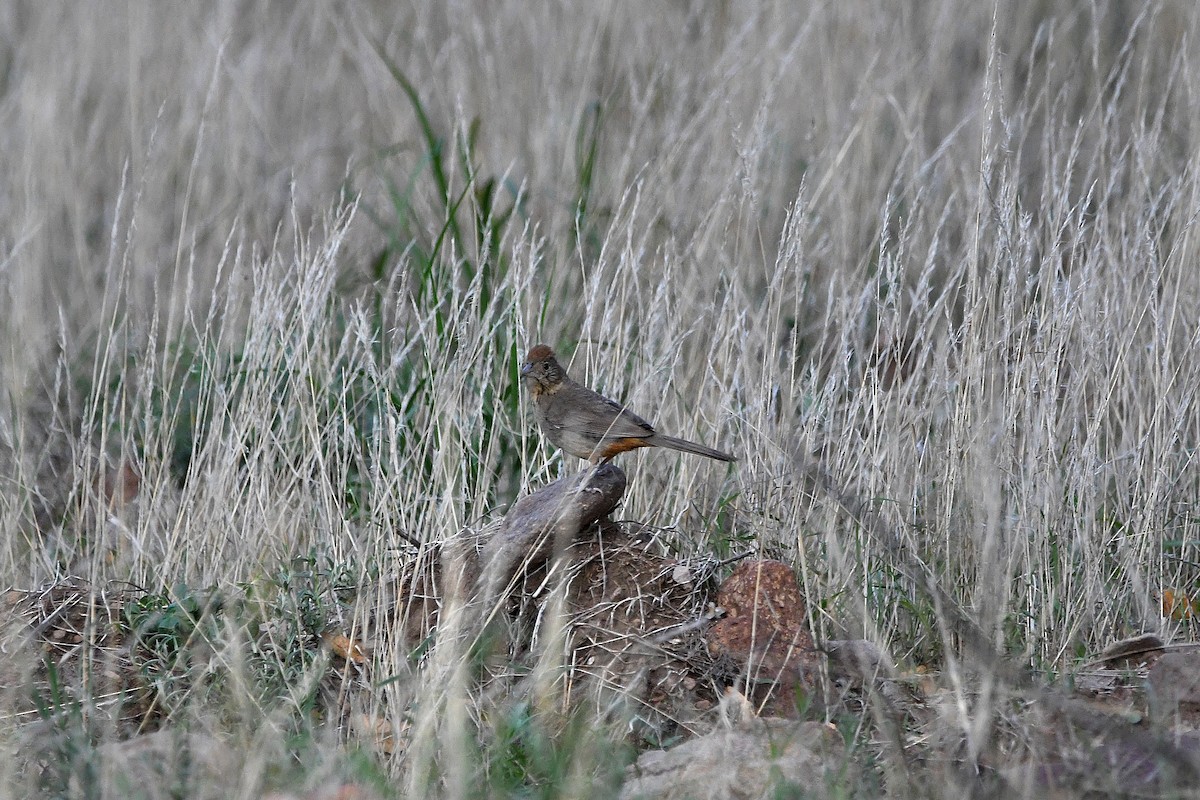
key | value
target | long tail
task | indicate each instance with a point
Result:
(689, 447)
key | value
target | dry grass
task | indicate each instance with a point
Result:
(929, 272)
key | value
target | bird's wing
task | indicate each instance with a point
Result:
(618, 422)
(594, 415)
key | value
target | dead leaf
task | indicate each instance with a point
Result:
(345, 647)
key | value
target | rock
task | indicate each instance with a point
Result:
(764, 635)
(764, 629)
(169, 764)
(1174, 681)
(763, 759)
(861, 661)
(1081, 752)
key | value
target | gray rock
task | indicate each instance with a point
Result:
(754, 759)
(169, 764)
(1174, 681)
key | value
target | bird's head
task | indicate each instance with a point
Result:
(541, 371)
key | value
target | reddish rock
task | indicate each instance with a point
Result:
(764, 629)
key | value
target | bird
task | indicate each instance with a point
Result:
(587, 424)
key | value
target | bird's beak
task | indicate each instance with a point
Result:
(526, 368)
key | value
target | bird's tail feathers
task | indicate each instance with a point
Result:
(691, 447)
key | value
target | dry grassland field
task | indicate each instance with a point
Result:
(269, 272)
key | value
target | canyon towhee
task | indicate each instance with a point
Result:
(589, 425)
